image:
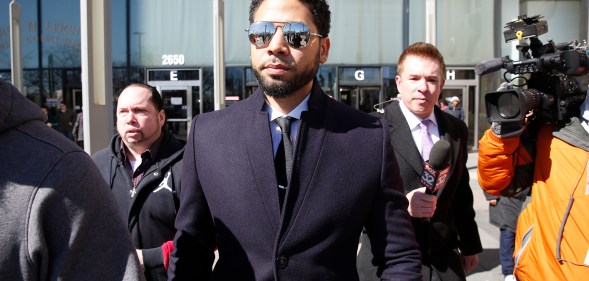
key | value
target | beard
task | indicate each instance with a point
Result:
(281, 87)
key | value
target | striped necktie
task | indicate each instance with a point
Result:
(283, 159)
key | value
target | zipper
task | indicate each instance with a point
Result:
(525, 241)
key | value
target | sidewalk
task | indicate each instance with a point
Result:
(488, 268)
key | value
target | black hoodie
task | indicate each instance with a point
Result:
(151, 212)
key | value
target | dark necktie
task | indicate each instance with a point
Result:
(283, 159)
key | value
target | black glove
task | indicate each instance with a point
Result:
(507, 129)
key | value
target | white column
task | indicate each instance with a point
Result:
(15, 47)
(219, 53)
(97, 97)
(431, 21)
(586, 8)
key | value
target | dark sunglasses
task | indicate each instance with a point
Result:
(297, 34)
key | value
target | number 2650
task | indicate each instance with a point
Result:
(175, 59)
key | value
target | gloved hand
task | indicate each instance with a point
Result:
(507, 129)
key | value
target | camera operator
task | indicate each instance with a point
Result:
(551, 236)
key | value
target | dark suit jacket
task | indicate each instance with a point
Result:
(345, 177)
(453, 225)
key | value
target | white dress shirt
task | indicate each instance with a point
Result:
(294, 127)
(413, 121)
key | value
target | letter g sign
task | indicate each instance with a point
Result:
(359, 75)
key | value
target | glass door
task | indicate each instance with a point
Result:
(459, 92)
(178, 107)
(361, 98)
(466, 95)
(368, 98)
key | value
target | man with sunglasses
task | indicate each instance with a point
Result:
(290, 204)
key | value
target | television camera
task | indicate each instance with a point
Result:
(557, 82)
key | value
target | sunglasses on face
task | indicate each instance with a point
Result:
(296, 34)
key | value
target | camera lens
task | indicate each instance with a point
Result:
(507, 105)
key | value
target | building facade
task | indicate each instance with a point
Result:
(169, 44)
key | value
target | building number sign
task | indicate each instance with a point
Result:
(173, 59)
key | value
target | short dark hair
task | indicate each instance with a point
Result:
(319, 10)
(422, 50)
(156, 98)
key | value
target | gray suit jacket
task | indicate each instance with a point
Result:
(344, 178)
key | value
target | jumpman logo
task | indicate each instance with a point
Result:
(164, 184)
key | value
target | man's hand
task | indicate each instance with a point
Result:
(493, 202)
(470, 262)
(421, 205)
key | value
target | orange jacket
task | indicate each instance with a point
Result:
(498, 159)
(543, 251)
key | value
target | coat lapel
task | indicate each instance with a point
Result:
(259, 150)
(401, 138)
(309, 144)
(258, 144)
(446, 133)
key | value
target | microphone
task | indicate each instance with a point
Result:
(489, 66)
(436, 169)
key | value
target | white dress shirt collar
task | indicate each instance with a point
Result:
(296, 112)
(294, 127)
(412, 119)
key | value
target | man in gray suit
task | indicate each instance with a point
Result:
(444, 222)
(301, 221)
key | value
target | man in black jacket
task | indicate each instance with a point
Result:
(142, 166)
(444, 222)
(278, 182)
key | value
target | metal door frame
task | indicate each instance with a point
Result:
(463, 98)
(188, 90)
(464, 84)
